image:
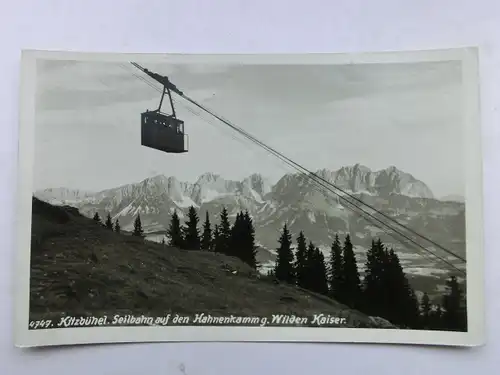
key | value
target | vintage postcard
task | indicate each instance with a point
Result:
(317, 198)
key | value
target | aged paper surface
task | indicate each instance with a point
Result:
(329, 198)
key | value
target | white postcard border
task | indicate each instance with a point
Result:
(474, 214)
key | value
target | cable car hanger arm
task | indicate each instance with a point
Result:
(167, 86)
(159, 78)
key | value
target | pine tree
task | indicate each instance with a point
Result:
(319, 273)
(236, 241)
(301, 260)
(191, 231)
(351, 289)
(224, 236)
(117, 226)
(455, 313)
(138, 231)
(109, 223)
(315, 273)
(97, 218)
(284, 263)
(206, 238)
(309, 270)
(400, 303)
(425, 308)
(375, 282)
(249, 249)
(174, 232)
(216, 240)
(335, 270)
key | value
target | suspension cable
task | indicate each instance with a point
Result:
(308, 173)
(319, 180)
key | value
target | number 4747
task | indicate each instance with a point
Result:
(37, 324)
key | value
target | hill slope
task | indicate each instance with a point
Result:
(80, 268)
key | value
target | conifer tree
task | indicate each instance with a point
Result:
(174, 232)
(315, 273)
(206, 237)
(225, 229)
(224, 236)
(425, 308)
(284, 263)
(301, 261)
(455, 314)
(216, 239)
(109, 223)
(249, 249)
(309, 267)
(117, 226)
(138, 231)
(400, 303)
(335, 269)
(351, 289)
(97, 218)
(237, 236)
(319, 273)
(374, 292)
(191, 231)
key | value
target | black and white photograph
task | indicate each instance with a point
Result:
(329, 198)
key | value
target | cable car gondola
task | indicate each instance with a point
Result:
(162, 131)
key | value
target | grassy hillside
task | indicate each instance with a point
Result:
(80, 268)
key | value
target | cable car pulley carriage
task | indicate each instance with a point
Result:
(159, 130)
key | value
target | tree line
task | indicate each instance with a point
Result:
(233, 239)
(109, 222)
(236, 239)
(384, 291)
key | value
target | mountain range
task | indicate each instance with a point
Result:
(295, 199)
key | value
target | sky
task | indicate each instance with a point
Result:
(87, 121)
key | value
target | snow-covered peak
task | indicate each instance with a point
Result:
(352, 171)
(291, 182)
(358, 178)
(156, 181)
(208, 177)
(392, 169)
(258, 183)
(393, 180)
(155, 186)
(161, 190)
(326, 174)
(255, 187)
(361, 168)
(210, 186)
